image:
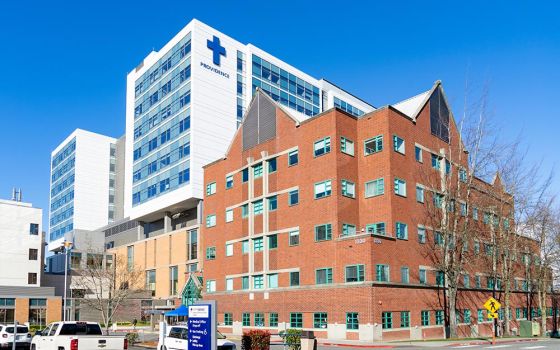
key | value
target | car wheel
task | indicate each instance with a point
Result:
(32, 346)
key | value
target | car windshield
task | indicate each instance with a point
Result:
(19, 330)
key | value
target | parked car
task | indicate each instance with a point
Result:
(176, 339)
(22, 337)
(76, 336)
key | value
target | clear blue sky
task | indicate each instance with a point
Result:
(64, 64)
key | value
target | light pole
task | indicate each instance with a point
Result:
(67, 246)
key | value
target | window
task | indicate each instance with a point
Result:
(323, 189)
(210, 286)
(258, 282)
(436, 160)
(173, 279)
(272, 203)
(352, 322)
(348, 230)
(463, 209)
(245, 247)
(293, 197)
(400, 187)
(346, 146)
(294, 278)
(273, 280)
(421, 235)
(32, 278)
(439, 317)
(322, 147)
(229, 215)
(258, 170)
(355, 273)
(418, 154)
(33, 229)
(272, 166)
(244, 210)
(447, 167)
(129, 257)
(320, 320)
(440, 278)
(259, 319)
(463, 175)
(387, 320)
(76, 259)
(466, 281)
(398, 144)
(377, 228)
(348, 189)
(438, 238)
(228, 319)
(229, 284)
(273, 319)
(229, 181)
(375, 187)
(419, 194)
(245, 175)
(293, 158)
(438, 200)
(382, 273)
(246, 319)
(323, 232)
(211, 220)
(476, 247)
(211, 253)
(422, 276)
(210, 188)
(405, 319)
(425, 317)
(477, 281)
(480, 315)
(373, 145)
(245, 282)
(323, 276)
(404, 275)
(258, 244)
(296, 320)
(467, 316)
(258, 207)
(401, 230)
(229, 249)
(33, 253)
(272, 242)
(294, 238)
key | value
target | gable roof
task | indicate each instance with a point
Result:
(412, 106)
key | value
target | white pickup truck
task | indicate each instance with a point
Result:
(76, 336)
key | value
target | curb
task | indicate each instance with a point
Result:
(362, 346)
(489, 342)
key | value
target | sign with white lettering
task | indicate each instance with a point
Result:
(202, 325)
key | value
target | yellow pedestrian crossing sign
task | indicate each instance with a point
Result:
(492, 315)
(492, 305)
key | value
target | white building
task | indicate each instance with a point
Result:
(82, 191)
(184, 104)
(22, 244)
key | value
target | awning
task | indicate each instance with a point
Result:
(180, 311)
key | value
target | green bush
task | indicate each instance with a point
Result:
(293, 339)
(132, 338)
(255, 340)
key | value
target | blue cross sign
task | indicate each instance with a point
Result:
(217, 49)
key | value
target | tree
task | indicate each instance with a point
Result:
(106, 283)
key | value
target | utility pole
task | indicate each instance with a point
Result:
(67, 247)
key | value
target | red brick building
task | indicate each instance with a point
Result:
(317, 224)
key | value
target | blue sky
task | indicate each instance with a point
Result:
(65, 63)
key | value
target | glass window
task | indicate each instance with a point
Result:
(33, 229)
(211, 253)
(229, 284)
(259, 319)
(348, 189)
(228, 319)
(258, 170)
(439, 317)
(258, 207)
(210, 286)
(401, 230)
(373, 145)
(400, 187)
(355, 273)
(293, 158)
(244, 210)
(272, 241)
(347, 146)
(418, 154)
(382, 273)
(322, 146)
(272, 165)
(229, 249)
(375, 187)
(352, 322)
(229, 181)
(419, 194)
(436, 160)
(294, 278)
(272, 203)
(440, 278)
(323, 276)
(422, 276)
(404, 275)
(296, 320)
(425, 317)
(421, 235)
(463, 175)
(294, 238)
(398, 144)
(273, 280)
(245, 175)
(323, 189)
(258, 282)
(229, 215)
(348, 230)
(246, 319)
(467, 316)
(210, 188)
(377, 228)
(293, 197)
(258, 244)
(245, 246)
(245, 282)
(405, 319)
(320, 320)
(210, 220)
(323, 232)
(387, 320)
(273, 319)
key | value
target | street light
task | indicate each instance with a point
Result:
(67, 246)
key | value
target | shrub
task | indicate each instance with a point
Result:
(132, 338)
(293, 339)
(255, 340)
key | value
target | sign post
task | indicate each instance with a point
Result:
(202, 325)
(492, 305)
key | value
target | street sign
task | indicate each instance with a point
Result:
(202, 325)
(492, 315)
(492, 305)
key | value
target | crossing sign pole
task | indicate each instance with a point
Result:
(492, 305)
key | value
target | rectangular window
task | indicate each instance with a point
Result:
(129, 257)
(467, 316)
(466, 281)
(352, 322)
(210, 188)
(272, 165)
(401, 230)
(476, 247)
(272, 203)
(273, 280)
(228, 319)
(323, 276)
(418, 154)
(355, 273)
(438, 238)
(387, 320)
(421, 235)
(323, 232)
(210, 286)
(244, 210)
(294, 238)
(346, 146)
(245, 282)
(463, 175)
(229, 215)
(273, 319)
(382, 273)
(425, 317)
(377, 228)
(398, 144)
(293, 197)
(405, 319)
(245, 175)
(33, 229)
(322, 147)
(296, 320)
(258, 244)
(419, 194)
(246, 319)
(259, 319)
(323, 189)
(245, 246)
(422, 276)
(348, 230)
(32, 278)
(33, 254)
(272, 242)
(404, 275)
(229, 284)
(373, 145)
(400, 187)
(375, 187)
(229, 249)
(439, 317)
(475, 213)
(440, 278)
(478, 281)
(320, 320)
(293, 158)
(294, 278)
(258, 170)
(348, 189)
(211, 220)
(258, 207)
(258, 282)
(436, 161)
(229, 181)
(463, 209)
(211, 253)
(480, 315)
(173, 279)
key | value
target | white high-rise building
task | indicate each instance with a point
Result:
(184, 104)
(82, 191)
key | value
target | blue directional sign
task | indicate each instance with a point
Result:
(202, 326)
